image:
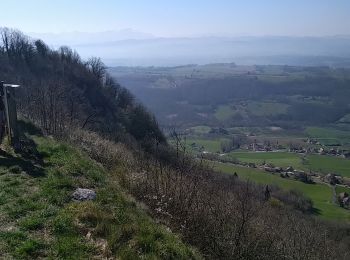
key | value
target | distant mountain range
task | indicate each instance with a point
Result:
(77, 38)
(132, 48)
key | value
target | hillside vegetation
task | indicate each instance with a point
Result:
(60, 91)
(39, 219)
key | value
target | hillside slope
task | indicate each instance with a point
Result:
(61, 92)
(38, 218)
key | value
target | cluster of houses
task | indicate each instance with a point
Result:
(306, 177)
(344, 200)
(322, 151)
(333, 179)
(263, 147)
(289, 172)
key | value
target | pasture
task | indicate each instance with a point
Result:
(209, 145)
(329, 164)
(314, 162)
(320, 194)
(329, 136)
(224, 112)
(281, 159)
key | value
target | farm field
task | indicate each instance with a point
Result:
(320, 163)
(213, 146)
(224, 112)
(329, 164)
(267, 108)
(281, 159)
(329, 136)
(320, 194)
(200, 129)
(340, 189)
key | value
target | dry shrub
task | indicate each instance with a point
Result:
(104, 151)
(223, 216)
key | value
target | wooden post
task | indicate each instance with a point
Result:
(8, 126)
(2, 130)
(11, 112)
(12, 116)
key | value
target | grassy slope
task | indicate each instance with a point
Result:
(320, 194)
(38, 218)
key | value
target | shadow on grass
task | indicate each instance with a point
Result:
(29, 159)
(17, 165)
(29, 128)
(315, 211)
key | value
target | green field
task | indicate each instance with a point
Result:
(320, 194)
(267, 108)
(281, 159)
(328, 136)
(340, 189)
(210, 145)
(329, 164)
(320, 163)
(224, 112)
(200, 129)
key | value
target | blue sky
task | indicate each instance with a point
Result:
(181, 17)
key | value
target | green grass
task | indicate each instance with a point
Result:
(328, 136)
(267, 108)
(38, 219)
(224, 112)
(210, 145)
(281, 159)
(319, 163)
(329, 164)
(320, 194)
(201, 129)
(340, 189)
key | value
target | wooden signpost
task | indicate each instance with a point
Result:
(8, 98)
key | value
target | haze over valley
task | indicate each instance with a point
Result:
(132, 48)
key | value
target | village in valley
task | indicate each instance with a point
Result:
(263, 153)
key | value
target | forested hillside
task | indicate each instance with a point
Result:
(230, 95)
(60, 91)
(78, 104)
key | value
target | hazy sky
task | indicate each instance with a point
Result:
(180, 17)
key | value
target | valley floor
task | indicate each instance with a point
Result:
(320, 194)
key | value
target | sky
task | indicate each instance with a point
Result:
(173, 18)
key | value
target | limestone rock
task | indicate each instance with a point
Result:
(83, 194)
